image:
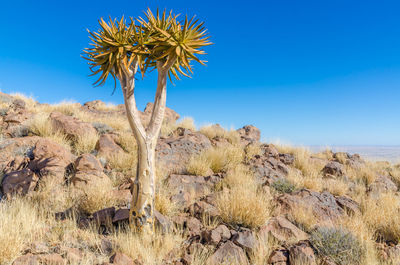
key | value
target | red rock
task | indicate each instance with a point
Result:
(19, 182)
(71, 126)
(104, 216)
(333, 168)
(50, 158)
(107, 147)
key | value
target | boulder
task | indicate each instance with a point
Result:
(71, 126)
(228, 253)
(382, 184)
(121, 215)
(268, 169)
(162, 222)
(283, 230)
(89, 172)
(245, 239)
(278, 257)
(11, 148)
(19, 182)
(107, 147)
(104, 216)
(216, 235)
(175, 151)
(50, 158)
(334, 169)
(249, 134)
(169, 116)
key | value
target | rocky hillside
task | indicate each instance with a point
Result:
(223, 197)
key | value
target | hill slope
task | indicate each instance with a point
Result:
(223, 197)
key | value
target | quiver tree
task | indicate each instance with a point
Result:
(160, 42)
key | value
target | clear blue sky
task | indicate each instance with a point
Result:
(306, 72)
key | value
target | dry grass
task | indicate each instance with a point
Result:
(382, 216)
(20, 224)
(216, 131)
(218, 159)
(123, 162)
(40, 125)
(163, 204)
(116, 121)
(244, 206)
(169, 127)
(304, 217)
(29, 100)
(65, 107)
(337, 187)
(187, 123)
(85, 143)
(252, 150)
(95, 197)
(127, 141)
(150, 249)
(264, 247)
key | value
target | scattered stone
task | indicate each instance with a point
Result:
(245, 239)
(301, 254)
(279, 257)
(121, 259)
(121, 215)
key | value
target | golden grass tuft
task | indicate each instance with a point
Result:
(218, 159)
(216, 131)
(127, 141)
(265, 244)
(123, 162)
(20, 224)
(95, 197)
(381, 215)
(116, 121)
(252, 150)
(85, 143)
(244, 206)
(148, 248)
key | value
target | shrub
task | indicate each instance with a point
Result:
(102, 128)
(283, 186)
(337, 244)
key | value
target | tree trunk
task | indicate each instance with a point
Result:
(143, 187)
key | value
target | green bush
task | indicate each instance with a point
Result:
(283, 186)
(337, 244)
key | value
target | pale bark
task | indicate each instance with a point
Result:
(142, 205)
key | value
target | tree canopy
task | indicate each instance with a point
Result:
(119, 48)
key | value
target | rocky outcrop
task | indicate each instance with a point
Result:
(249, 134)
(324, 206)
(175, 151)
